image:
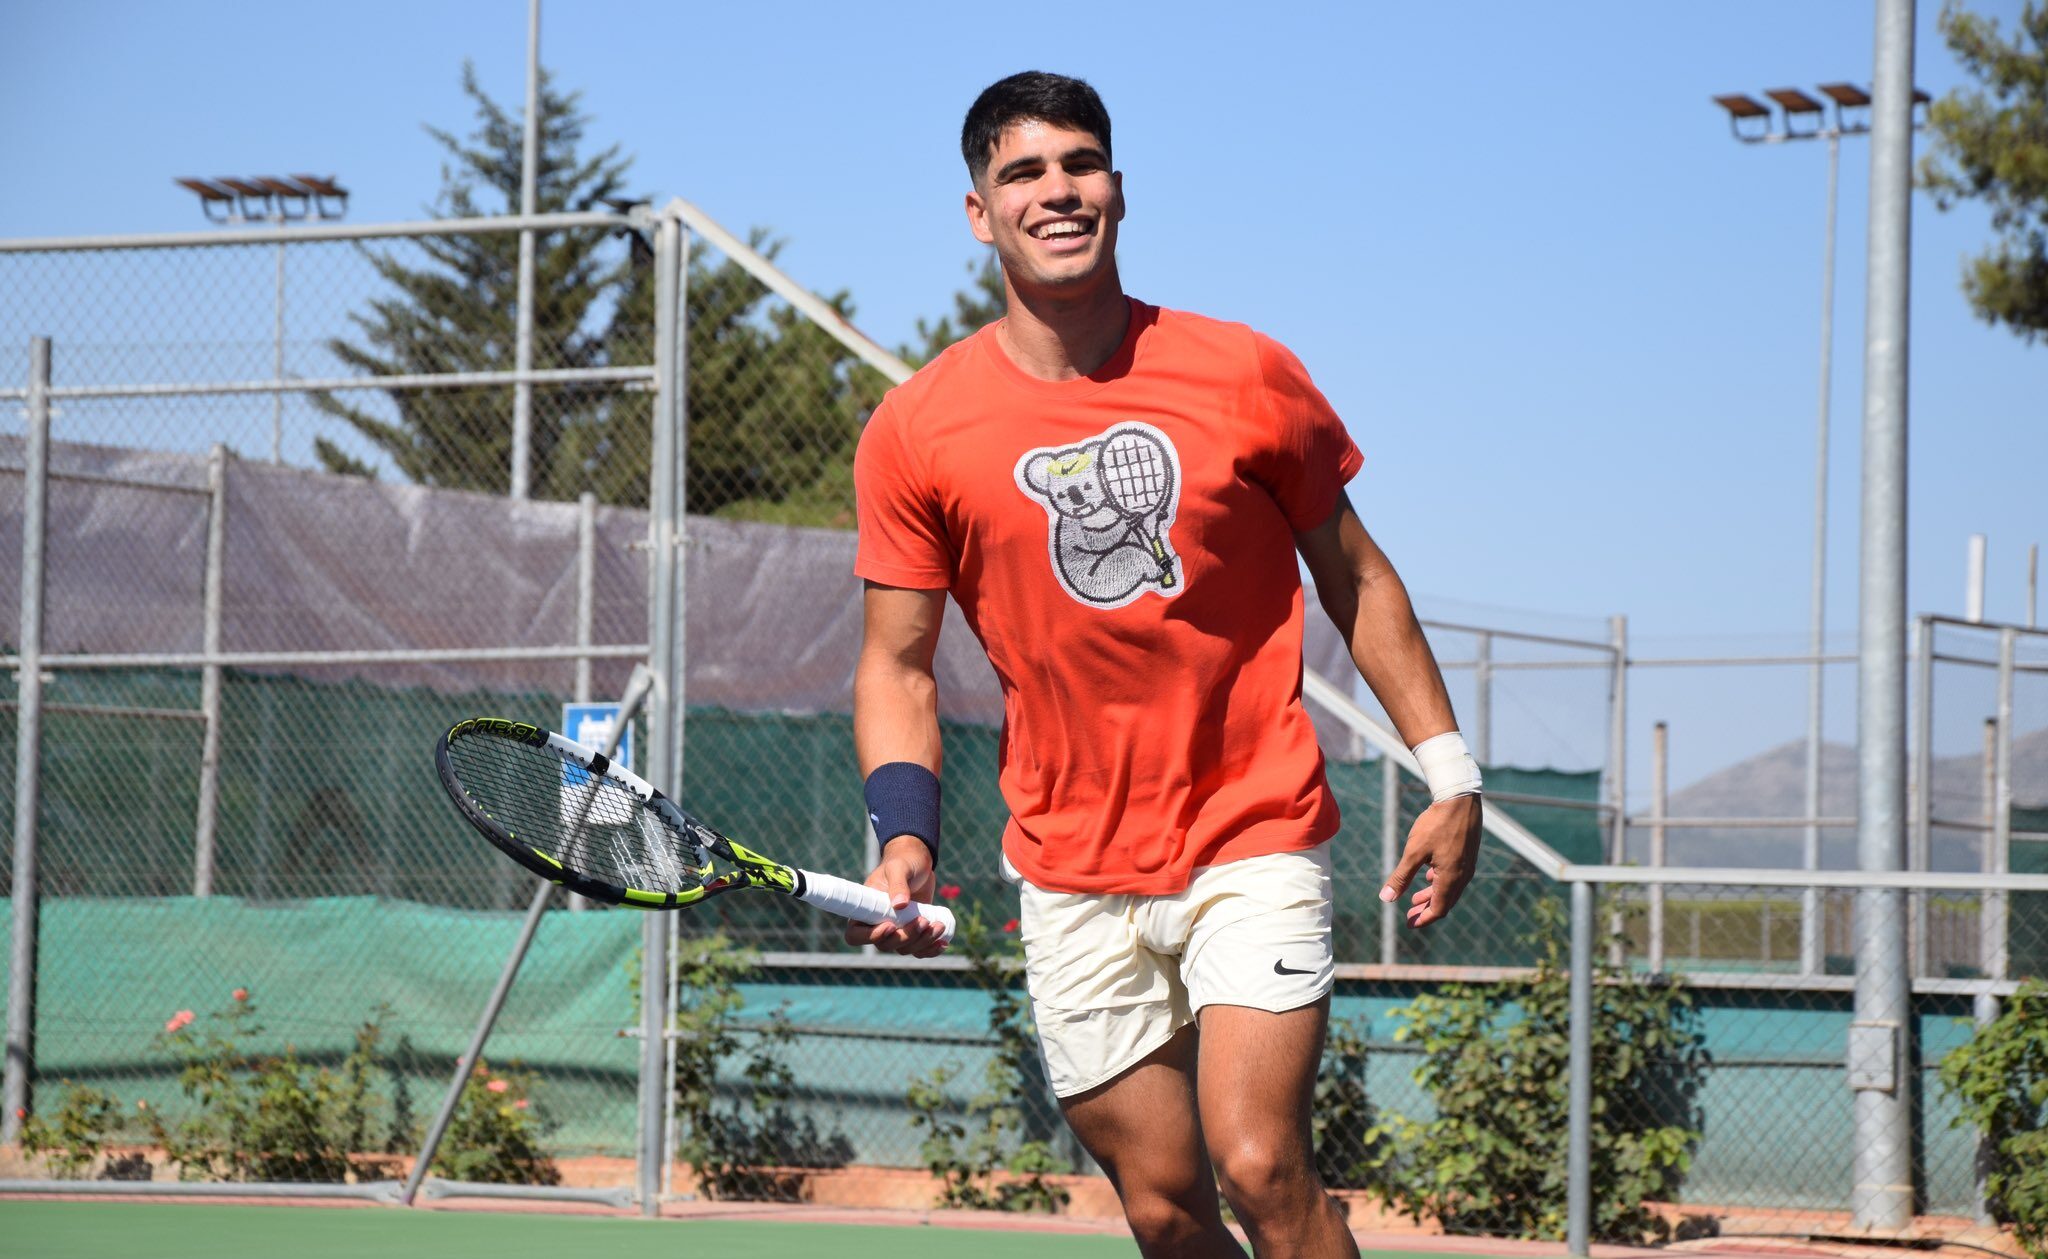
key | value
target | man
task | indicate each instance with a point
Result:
(1115, 495)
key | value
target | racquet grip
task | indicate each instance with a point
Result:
(862, 903)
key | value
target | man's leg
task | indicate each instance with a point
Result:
(1257, 1084)
(1143, 1128)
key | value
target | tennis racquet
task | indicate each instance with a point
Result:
(1137, 477)
(575, 818)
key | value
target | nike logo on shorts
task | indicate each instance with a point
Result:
(1281, 968)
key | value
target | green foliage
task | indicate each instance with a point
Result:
(1343, 1121)
(73, 1139)
(493, 1137)
(2001, 1078)
(744, 1143)
(267, 1117)
(983, 1154)
(1991, 145)
(1496, 1065)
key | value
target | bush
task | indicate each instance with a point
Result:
(267, 1117)
(72, 1141)
(1496, 1064)
(2001, 1078)
(968, 1148)
(744, 1143)
(493, 1137)
(1347, 1151)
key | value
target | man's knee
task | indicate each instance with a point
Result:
(1262, 1175)
(1162, 1221)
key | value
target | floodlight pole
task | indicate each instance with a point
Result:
(522, 393)
(1882, 1200)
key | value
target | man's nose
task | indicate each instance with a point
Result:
(1060, 188)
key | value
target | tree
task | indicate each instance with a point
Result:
(1992, 145)
(458, 313)
(775, 405)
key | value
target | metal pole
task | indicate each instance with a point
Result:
(679, 417)
(1973, 581)
(1810, 898)
(586, 605)
(1617, 738)
(203, 831)
(277, 362)
(1660, 765)
(21, 957)
(664, 550)
(1579, 1140)
(1922, 785)
(1882, 1199)
(529, 176)
(536, 907)
(1617, 846)
(1988, 796)
(2033, 579)
(1390, 855)
(1999, 841)
(1482, 700)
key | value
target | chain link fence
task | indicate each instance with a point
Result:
(281, 555)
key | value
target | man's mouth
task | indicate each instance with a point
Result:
(1063, 231)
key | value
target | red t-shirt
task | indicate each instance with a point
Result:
(1122, 544)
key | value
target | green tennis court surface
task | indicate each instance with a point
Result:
(93, 1230)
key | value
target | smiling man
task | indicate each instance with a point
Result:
(1115, 494)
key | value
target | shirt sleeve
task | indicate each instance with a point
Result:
(903, 539)
(1302, 453)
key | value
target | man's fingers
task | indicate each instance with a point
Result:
(1412, 860)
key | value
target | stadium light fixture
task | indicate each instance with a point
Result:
(270, 199)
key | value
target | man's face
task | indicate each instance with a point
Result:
(1050, 205)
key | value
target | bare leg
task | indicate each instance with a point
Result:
(1257, 1084)
(1143, 1128)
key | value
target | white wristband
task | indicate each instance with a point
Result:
(1447, 766)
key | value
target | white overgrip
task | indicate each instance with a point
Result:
(862, 903)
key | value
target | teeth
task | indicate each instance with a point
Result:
(1060, 229)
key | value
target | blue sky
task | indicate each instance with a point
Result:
(1572, 323)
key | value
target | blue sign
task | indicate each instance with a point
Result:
(591, 725)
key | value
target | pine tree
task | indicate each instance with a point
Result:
(458, 313)
(1992, 145)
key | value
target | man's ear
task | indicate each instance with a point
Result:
(1037, 473)
(1118, 211)
(977, 217)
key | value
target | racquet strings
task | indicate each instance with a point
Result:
(590, 824)
(1134, 472)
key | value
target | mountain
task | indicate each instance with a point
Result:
(1773, 784)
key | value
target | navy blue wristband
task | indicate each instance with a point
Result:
(903, 799)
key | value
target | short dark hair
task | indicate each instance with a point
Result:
(1033, 96)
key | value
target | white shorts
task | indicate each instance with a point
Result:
(1112, 977)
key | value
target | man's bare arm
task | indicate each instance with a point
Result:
(896, 718)
(1366, 600)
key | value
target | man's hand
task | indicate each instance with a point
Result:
(1445, 842)
(905, 875)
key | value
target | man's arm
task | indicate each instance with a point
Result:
(896, 718)
(1365, 598)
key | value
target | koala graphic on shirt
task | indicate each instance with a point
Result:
(1110, 503)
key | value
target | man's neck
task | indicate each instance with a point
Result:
(1056, 337)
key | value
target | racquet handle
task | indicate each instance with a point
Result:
(862, 903)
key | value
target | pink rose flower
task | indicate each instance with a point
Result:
(240, 994)
(520, 1104)
(950, 891)
(178, 1020)
(1009, 926)
(498, 1086)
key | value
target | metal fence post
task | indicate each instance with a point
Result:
(1660, 778)
(1998, 842)
(208, 822)
(1617, 740)
(664, 631)
(1921, 785)
(1579, 1156)
(1482, 699)
(21, 956)
(1390, 855)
